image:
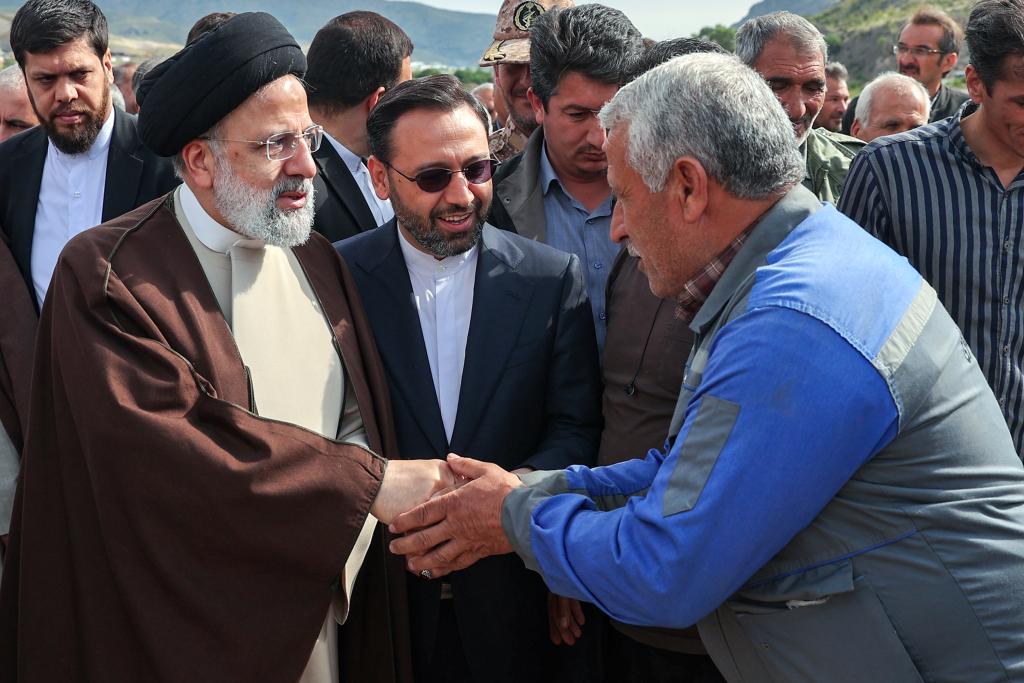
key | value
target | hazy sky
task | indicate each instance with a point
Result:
(657, 19)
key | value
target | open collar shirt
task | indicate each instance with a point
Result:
(70, 201)
(587, 234)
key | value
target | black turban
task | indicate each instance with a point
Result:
(187, 94)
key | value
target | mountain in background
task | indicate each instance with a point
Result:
(804, 8)
(860, 33)
(143, 27)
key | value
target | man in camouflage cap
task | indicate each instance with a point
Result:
(509, 54)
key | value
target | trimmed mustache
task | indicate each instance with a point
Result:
(293, 184)
(473, 208)
(66, 109)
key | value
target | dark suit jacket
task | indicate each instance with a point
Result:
(134, 176)
(530, 396)
(341, 209)
(518, 203)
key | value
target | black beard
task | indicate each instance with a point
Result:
(431, 239)
(81, 138)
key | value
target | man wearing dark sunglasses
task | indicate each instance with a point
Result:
(489, 349)
(926, 50)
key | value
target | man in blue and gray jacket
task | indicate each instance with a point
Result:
(841, 500)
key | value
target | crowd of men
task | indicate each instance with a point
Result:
(650, 362)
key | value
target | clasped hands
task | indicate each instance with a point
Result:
(455, 520)
(455, 515)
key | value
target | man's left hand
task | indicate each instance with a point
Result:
(454, 530)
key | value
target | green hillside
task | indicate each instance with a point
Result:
(860, 33)
(440, 36)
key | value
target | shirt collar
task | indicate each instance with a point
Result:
(212, 234)
(546, 173)
(425, 264)
(548, 177)
(350, 158)
(698, 288)
(100, 145)
(956, 135)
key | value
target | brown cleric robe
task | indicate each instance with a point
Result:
(162, 531)
(17, 335)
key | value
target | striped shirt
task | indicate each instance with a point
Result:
(926, 195)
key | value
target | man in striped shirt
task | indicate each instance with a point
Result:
(950, 197)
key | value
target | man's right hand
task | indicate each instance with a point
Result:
(408, 483)
(565, 619)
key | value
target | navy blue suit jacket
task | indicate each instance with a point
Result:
(530, 397)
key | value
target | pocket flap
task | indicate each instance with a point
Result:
(807, 587)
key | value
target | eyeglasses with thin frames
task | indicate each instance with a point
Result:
(282, 146)
(436, 179)
(917, 51)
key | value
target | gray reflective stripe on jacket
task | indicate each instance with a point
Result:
(920, 544)
(915, 569)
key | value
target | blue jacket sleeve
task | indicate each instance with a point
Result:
(786, 413)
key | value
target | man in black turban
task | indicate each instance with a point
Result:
(210, 420)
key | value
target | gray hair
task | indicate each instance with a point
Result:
(905, 86)
(836, 71)
(12, 78)
(755, 33)
(142, 69)
(715, 109)
(482, 88)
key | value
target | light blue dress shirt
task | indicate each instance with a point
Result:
(571, 228)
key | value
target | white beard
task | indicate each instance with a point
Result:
(254, 212)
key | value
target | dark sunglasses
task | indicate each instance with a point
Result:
(436, 179)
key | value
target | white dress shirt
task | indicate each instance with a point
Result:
(70, 202)
(380, 208)
(443, 292)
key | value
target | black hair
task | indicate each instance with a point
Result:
(592, 40)
(995, 30)
(660, 52)
(352, 56)
(441, 93)
(210, 22)
(41, 26)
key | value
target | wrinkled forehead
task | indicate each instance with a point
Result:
(783, 58)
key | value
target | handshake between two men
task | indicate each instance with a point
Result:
(455, 518)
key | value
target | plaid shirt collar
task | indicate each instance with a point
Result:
(698, 288)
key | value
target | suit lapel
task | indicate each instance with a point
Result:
(500, 300)
(340, 181)
(124, 169)
(523, 194)
(25, 185)
(399, 335)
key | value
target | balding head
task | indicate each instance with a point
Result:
(16, 113)
(891, 103)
